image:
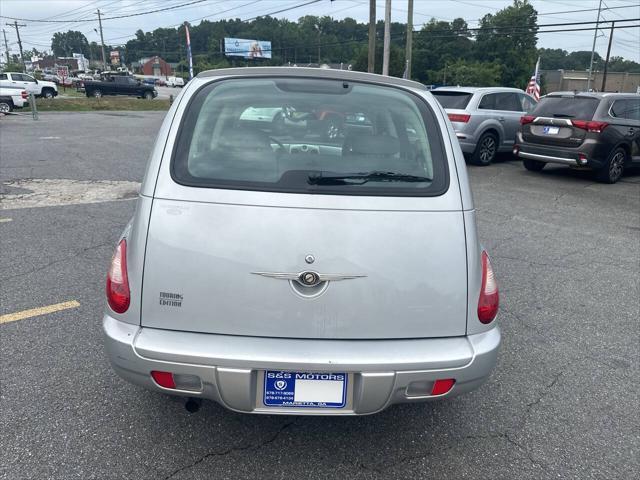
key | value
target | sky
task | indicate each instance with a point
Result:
(626, 42)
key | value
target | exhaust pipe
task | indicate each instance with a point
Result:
(193, 404)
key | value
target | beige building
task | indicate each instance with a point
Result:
(567, 80)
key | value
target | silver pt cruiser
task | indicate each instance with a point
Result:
(275, 269)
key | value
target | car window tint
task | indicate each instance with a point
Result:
(633, 110)
(526, 103)
(3, 76)
(27, 78)
(581, 108)
(280, 134)
(488, 102)
(17, 77)
(626, 108)
(458, 100)
(508, 102)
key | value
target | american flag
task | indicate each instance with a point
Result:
(533, 88)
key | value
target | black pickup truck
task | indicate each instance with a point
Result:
(119, 85)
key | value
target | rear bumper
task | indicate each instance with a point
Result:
(548, 158)
(231, 367)
(594, 153)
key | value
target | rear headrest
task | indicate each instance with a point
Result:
(371, 145)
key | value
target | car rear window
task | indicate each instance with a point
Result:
(310, 136)
(458, 100)
(581, 108)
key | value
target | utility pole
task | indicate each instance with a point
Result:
(593, 47)
(409, 38)
(387, 38)
(104, 58)
(18, 25)
(372, 37)
(606, 62)
(6, 45)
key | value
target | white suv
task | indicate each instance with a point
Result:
(40, 88)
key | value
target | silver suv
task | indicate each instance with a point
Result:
(486, 120)
(274, 270)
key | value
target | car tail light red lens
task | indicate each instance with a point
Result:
(489, 300)
(118, 293)
(440, 387)
(164, 379)
(526, 119)
(595, 127)
(24, 94)
(459, 117)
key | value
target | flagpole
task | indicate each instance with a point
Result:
(186, 29)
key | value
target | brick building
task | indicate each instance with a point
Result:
(155, 66)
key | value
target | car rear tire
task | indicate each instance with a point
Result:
(97, 94)
(47, 93)
(148, 96)
(533, 165)
(5, 107)
(486, 150)
(613, 168)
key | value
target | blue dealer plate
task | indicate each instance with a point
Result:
(305, 389)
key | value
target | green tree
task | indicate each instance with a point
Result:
(64, 44)
(508, 37)
(471, 74)
(437, 44)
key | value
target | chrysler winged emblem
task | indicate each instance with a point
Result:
(308, 278)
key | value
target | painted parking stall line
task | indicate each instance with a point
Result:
(35, 312)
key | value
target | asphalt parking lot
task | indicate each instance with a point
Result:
(562, 403)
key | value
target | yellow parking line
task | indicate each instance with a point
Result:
(4, 220)
(34, 312)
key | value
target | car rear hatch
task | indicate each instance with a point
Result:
(227, 254)
(560, 121)
(455, 104)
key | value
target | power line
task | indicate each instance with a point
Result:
(114, 17)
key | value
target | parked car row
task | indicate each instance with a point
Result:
(595, 131)
(40, 88)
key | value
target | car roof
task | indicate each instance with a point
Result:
(597, 95)
(477, 89)
(305, 72)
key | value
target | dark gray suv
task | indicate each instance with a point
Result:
(598, 131)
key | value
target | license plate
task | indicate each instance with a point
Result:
(305, 389)
(551, 130)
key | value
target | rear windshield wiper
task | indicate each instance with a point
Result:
(360, 178)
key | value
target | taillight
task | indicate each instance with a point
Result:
(24, 94)
(590, 126)
(489, 300)
(526, 119)
(459, 117)
(118, 293)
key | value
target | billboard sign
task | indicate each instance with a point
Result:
(241, 47)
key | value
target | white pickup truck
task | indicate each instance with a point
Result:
(11, 98)
(40, 88)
